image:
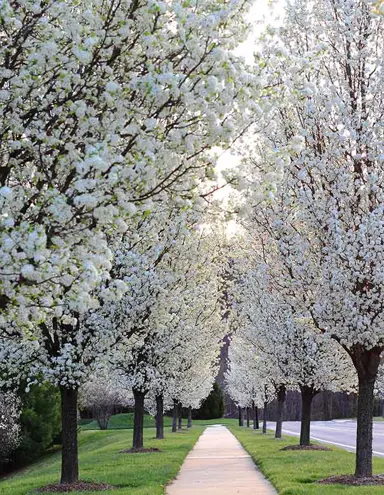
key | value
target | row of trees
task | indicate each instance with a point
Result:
(109, 115)
(309, 291)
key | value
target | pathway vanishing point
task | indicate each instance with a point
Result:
(218, 465)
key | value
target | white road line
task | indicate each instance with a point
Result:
(352, 447)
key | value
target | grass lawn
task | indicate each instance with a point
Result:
(296, 472)
(125, 420)
(291, 472)
(100, 460)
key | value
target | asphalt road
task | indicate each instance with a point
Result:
(339, 432)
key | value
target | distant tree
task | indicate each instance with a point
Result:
(102, 398)
(213, 406)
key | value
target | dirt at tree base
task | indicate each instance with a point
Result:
(350, 479)
(306, 447)
(140, 451)
(79, 486)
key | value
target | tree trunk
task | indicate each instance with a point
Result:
(265, 417)
(367, 364)
(69, 459)
(159, 417)
(248, 417)
(174, 417)
(281, 395)
(307, 395)
(364, 427)
(138, 419)
(180, 419)
(189, 417)
(241, 420)
(102, 414)
(255, 417)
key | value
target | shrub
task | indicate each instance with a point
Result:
(40, 422)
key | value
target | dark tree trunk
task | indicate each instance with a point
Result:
(138, 419)
(281, 395)
(265, 417)
(174, 417)
(248, 417)
(367, 365)
(255, 417)
(241, 420)
(307, 395)
(189, 417)
(69, 459)
(159, 417)
(364, 427)
(382, 407)
(180, 419)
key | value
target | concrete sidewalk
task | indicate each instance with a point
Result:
(218, 465)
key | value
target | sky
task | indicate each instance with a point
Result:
(263, 12)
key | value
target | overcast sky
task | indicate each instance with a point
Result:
(263, 12)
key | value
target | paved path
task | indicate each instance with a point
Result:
(218, 465)
(339, 432)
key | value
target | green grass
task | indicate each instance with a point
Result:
(86, 421)
(291, 472)
(296, 472)
(100, 460)
(125, 421)
(221, 421)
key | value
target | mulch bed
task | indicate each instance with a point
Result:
(139, 451)
(349, 479)
(79, 486)
(305, 447)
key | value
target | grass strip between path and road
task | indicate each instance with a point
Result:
(296, 472)
(100, 461)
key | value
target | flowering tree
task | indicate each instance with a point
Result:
(198, 384)
(179, 322)
(9, 425)
(189, 373)
(86, 104)
(324, 182)
(247, 379)
(290, 348)
(102, 396)
(192, 374)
